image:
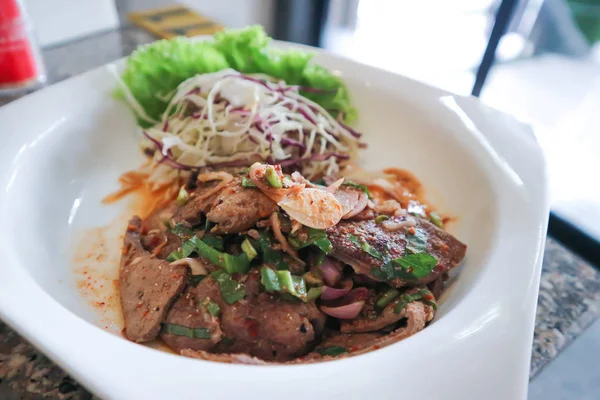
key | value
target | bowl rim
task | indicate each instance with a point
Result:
(520, 181)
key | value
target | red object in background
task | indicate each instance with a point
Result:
(19, 66)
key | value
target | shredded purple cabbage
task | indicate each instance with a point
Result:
(352, 131)
(264, 127)
(292, 142)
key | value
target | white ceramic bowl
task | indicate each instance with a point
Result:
(65, 146)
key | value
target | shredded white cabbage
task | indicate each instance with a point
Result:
(226, 118)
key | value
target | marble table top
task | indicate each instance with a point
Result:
(569, 299)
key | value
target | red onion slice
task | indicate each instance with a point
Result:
(348, 199)
(356, 294)
(197, 267)
(334, 186)
(393, 225)
(331, 271)
(331, 293)
(363, 200)
(349, 311)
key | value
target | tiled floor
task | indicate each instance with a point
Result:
(574, 374)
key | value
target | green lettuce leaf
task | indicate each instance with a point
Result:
(154, 71)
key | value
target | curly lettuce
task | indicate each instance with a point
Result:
(154, 71)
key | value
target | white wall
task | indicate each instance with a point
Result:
(236, 13)
(57, 21)
(231, 13)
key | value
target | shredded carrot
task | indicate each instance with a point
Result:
(118, 195)
(153, 196)
(159, 248)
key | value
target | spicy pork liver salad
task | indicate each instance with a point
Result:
(265, 241)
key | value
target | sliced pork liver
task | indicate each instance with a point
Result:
(448, 250)
(233, 209)
(190, 311)
(371, 320)
(199, 204)
(237, 208)
(272, 328)
(269, 327)
(156, 238)
(416, 315)
(148, 286)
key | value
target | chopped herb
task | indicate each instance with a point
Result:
(230, 263)
(354, 239)
(231, 290)
(283, 282)
(409, 298)
(420, 265)
(289, 298)
(249, 249)
(385, 272)
(174, 255)
(417, 243)
(182, 231)
(313, 279)
(208, 225)
(318, 259)
(431, 303)
(366, 247)
(184, 251)
(436, 219)
(408, 267)
(332, 351)
(215, 242)
(227, 341)
(358, 186)
(212, 307)
(269, 255)
(320, 182)
(315, 237)
(380, 218)
(387, 297)
(273, 178)
(269, 279)
(194, 280)
(182, 197)
(314, 294)
(193, 333)
(299, 286)
(247, 183)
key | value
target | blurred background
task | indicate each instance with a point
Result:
(538, 60)
(542, 65)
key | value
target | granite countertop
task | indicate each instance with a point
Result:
(569, 297)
